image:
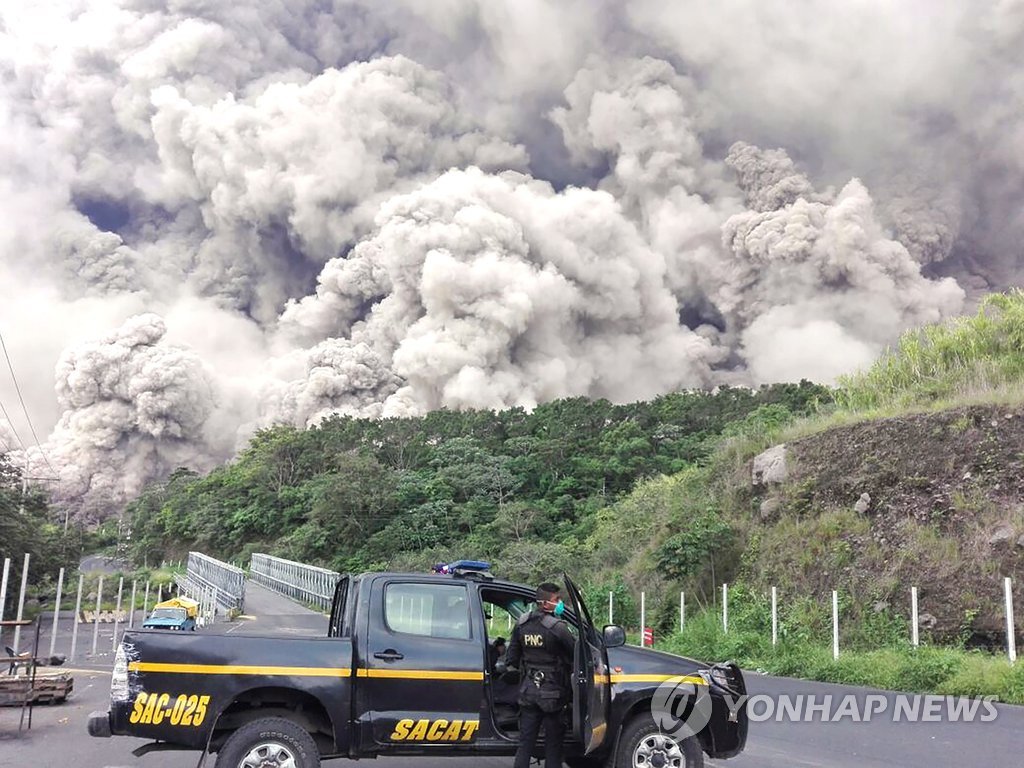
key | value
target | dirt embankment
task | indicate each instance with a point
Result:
(930, 500)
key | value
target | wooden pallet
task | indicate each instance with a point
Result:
(52, 689)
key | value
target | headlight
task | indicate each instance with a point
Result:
(119, 677)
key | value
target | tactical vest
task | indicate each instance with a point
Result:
(545, 681)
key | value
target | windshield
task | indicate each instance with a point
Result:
(168, 613)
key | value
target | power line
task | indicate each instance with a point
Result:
(24, 409)
(11, 425)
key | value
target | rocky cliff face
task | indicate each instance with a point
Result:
(933, 500)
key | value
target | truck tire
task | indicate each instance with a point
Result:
(643, 744)
(272, 741)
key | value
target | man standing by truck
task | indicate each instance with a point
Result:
(542, 649)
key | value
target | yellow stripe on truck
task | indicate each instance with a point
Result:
(234, 669)
(641, 678)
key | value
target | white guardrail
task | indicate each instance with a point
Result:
(205, 574)
(305, 583)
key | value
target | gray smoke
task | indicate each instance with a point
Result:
(222, 216)
(134, 407)
(494, 290)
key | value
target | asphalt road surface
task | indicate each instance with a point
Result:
(58, 738)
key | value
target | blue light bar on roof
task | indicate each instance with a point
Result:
(461, 565)
(470, 565)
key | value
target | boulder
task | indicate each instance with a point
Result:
(863, 504)
(1001, 535)
(770, 467)
(769, 507)
(926, 621)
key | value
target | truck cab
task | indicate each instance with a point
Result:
(407, 668)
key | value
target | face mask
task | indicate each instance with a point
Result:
(559, 608)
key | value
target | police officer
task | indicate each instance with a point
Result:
(542, 649)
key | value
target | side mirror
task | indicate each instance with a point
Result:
(614, 636)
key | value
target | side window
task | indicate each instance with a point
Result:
(432, 610)
(337, 627)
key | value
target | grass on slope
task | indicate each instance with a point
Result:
(898, 667)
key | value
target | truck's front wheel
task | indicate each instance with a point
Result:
(644, 745)
(272, 742)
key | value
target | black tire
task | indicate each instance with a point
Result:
(275, 733)
(643, 730)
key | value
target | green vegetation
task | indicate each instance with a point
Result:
(895, 665)
(27, 526)
(956, 360)
(532, 491)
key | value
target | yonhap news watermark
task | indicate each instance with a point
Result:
(682, 709)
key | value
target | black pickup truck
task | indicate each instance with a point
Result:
(406, 669)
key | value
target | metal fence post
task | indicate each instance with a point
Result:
(775, 616)
(835, 624)
(78, 611)
(117, 613)
(3, 586)
(725, 608)
(56, 612)
(131, 608)
(1011, 639)
(21, 602)
(96, 618)
(914, 638)
(682, 611)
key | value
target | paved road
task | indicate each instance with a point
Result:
(58, 737)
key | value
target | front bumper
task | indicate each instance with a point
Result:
(99, 724)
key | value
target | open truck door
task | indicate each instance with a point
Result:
(591, 681)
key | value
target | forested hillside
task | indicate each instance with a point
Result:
(523, 489)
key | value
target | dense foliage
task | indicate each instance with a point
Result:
(27, 525)
(525, 489)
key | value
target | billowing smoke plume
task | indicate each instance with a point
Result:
(486, 291)
(222, 216)
(134, 407)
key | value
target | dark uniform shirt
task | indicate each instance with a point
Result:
(542, 643)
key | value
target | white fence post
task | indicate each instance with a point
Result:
(21, 602)
(725, 608)
(835, 624)
(914, 637)
(78, 611)
(1011, 639)
(117, 612)
(611, 609)
(145, 602)
(775, 616)
(56, 612)
(682, 611)
(131, 608)
(643, 616)
(3, 586)
(96, 618)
